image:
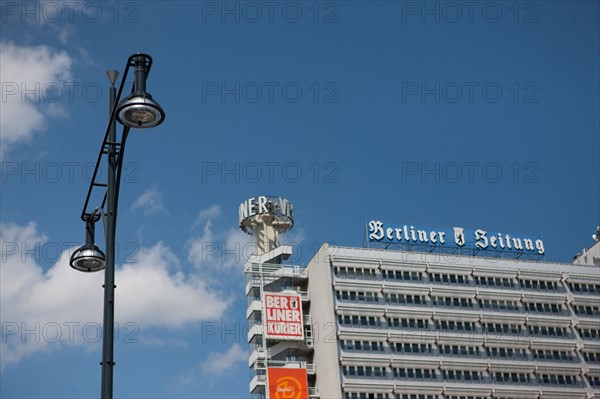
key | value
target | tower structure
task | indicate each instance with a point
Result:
(278, 304)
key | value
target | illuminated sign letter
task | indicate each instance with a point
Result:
(539, 245)
(481, 239)
(376, 230)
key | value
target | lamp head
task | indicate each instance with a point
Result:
(139, 110)
(88, 257)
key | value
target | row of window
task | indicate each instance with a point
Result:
(359, 321)
(446, 278)
(543, 307)
(469, 351)
(411, 347)
(357, 345)
(450, 325)
(354, 273)
(424, 374)
(502, 328)
(541, 285)
(495, 281)
(365, 395)
(580, 288)
(364, 371)
(368, 395)
(591, 333)
(548, 331)
(591, 357)
(560, 355)
(357, 296)
(594, 381)
(467, 303)
(402, 275)
(559, 379)
(452, 302)
(582, 310)
(406, 299)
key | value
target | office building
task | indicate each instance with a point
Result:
(421, 313)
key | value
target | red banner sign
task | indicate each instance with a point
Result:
(283, 316)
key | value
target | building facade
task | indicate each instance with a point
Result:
(400, 324)
(417, 325)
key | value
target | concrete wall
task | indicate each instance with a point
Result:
(324, 325)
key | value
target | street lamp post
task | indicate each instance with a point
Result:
(138, 110)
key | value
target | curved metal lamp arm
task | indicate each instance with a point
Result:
(104, 149)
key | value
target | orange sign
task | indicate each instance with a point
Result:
(287, 383)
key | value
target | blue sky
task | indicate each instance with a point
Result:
(432, 113)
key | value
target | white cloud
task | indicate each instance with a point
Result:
(294, 238)
(149, 293)
(34, 70)
(219, 363)
(150, 202)
(211, 213)
(240, 243)
(215, 365)
(152, 295)
(223, 251)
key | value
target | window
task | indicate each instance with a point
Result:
(367, 297)
(591, 357)
(582, 288)
(554, 355)
(559, 380)
(408, 324)
(454, 325)
(548, 331)
(594, 380)
(541, 285)
(354, 272)
(497, 282)
(511, 378)
(460, 350)
(405, 299)
(587, 310)
(414, 373)
(402, 275)
(443, 278)
(364, 395)
(544, 307)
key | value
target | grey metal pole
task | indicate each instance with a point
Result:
(109, 272)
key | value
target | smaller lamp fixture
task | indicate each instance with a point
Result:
(139, 110)
(88, 258)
